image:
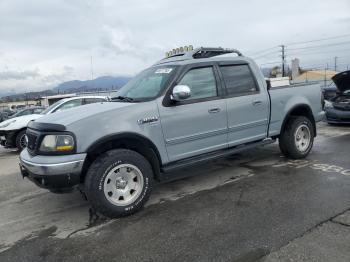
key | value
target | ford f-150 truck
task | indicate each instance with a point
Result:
(190, 107)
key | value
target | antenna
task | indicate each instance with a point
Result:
(92, 72)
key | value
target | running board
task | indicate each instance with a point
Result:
(213, 155)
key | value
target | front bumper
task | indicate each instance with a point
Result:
(8, 138)
(337, 116)
(52, 172)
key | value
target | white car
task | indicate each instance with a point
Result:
(13, 131)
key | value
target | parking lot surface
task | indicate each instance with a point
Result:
(252, 206)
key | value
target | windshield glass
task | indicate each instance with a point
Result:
(22, 113)
(51, 107)
(147, 84)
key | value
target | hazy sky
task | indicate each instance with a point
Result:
(43, 43)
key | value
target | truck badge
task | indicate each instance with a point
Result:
(147, 120)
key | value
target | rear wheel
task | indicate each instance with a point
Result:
(21, 140)
(296, 140)
(119, 182)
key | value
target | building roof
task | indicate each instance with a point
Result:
(316, 75)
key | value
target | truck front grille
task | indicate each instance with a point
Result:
(32, 141)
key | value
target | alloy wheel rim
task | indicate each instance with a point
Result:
(302, 138)
(23, 141)
(123, 184)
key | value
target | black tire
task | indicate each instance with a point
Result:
(100, 170)
(19, 144)
(287, 139)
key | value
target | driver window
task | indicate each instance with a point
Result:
(201, 81)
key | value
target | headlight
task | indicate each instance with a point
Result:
(8, 123)
(57, 143)
(328, 104)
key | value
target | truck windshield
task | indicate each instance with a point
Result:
(146, 85)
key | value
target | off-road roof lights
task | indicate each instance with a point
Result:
(201, 52)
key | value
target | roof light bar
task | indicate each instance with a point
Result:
(179, 51)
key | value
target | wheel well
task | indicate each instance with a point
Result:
(301, 110)
(14, 137)
(133, 142)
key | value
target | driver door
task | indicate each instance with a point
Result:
(197, 124)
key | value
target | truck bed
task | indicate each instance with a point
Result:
(283, 99)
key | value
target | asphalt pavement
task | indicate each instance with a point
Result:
(254, 206)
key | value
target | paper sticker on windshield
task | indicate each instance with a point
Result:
(163, 70)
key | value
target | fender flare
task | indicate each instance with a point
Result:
(295, 108)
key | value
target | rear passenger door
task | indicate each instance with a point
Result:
(247, 105)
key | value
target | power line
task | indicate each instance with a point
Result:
(262, 51)
(319, 46)
(271, 63)
(326, 62)
(318, 52)
(270, 53)
(317, 40)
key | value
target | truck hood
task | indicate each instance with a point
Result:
(18, 122)
(75, 114)
(342, 81)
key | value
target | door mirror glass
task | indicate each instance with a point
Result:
(181, 92)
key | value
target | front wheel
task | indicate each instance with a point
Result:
(21, 140)
(296, 140)
(118, 183)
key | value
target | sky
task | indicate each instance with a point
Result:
(44, 43)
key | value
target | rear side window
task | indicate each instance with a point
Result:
(38, 110)
(201, 81)
(69, 104)
(25, 112)
(238, 80)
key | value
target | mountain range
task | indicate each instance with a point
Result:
(103, 82)
(100, 83)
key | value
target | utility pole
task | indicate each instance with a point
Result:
(306, 79)
(335, 63)
(325, 77)
(283, 60)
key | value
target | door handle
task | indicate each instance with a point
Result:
(214, 110)
(257, 102)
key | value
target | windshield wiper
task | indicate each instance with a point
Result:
(122, 98)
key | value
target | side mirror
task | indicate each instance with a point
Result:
(180, 92)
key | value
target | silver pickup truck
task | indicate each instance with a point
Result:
(190, 107)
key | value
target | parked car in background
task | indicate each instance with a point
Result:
(338, 108)
(5, 113)
(329, 92)
(188, 108)
(29, 111)
(3, 116)
(13, 131)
